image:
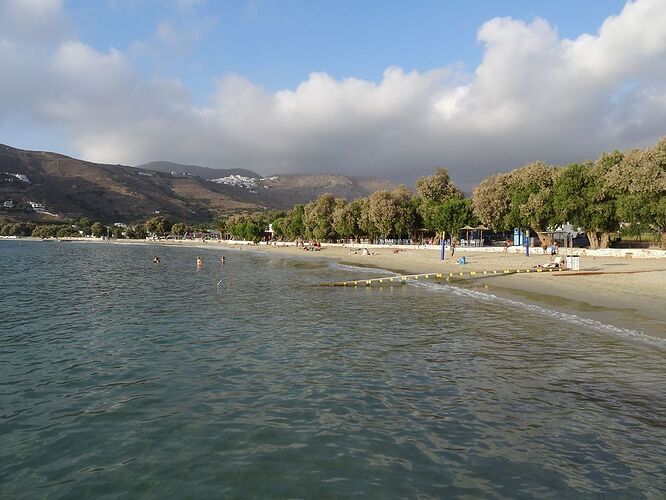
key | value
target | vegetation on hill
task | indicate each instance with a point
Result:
(68, 189)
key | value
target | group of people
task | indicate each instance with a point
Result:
(557, 263)
(314, 246)
(553, 247)
(156, 260)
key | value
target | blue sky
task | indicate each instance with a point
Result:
(394, 89)
(278, 43)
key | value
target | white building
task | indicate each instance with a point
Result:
(238, 181)
(37, 207)
(22, 178)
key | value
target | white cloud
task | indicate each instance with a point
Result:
(534, 96)
(38, 21)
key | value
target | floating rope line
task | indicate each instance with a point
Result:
(402, 279)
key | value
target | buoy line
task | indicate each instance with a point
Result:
(402, 279)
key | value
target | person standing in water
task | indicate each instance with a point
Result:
(199, 262)
(156, 260)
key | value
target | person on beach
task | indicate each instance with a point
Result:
(552, 248)
(557, 247)
(506, 245)
(156, 260)
(453, 247)
(199, 262)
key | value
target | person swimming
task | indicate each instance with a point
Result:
(156, 260)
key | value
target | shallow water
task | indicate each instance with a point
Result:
(122, 378)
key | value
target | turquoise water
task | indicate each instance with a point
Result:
(121, 379)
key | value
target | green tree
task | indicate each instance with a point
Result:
(437, 187)
(390, 213)
(639, 182)
(449, 216)
(221, 225)
(21, 229)
(530, 192)
(582, 197)
(246, 227)
(66, 231)
(98, 230)
(294, 227)
(491, 201)
(279, 227)
(45, 231)
(317, 218)
(84, 225)
(158, 225)
(345, 220)
(365, 224)
(405, 222)
(179, 229)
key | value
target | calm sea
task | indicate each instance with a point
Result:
(124, 379)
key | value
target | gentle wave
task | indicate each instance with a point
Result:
(544, 311)
(568, 317)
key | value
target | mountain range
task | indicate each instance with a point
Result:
(42, 186)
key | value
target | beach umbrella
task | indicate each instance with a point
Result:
(481, 228)
(467, 229)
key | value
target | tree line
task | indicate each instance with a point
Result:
(619, 191)
(439, 207)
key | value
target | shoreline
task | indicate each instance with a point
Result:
(630, 294)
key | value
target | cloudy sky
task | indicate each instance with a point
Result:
(387, 88)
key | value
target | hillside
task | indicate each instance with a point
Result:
(73, 188)
(61, 187)
(281, 190)
(203, 172)
(301, 188)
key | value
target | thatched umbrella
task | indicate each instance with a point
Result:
(468, 229)
(481, 228)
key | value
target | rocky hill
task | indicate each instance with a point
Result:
(43, 186)
(281, 190)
